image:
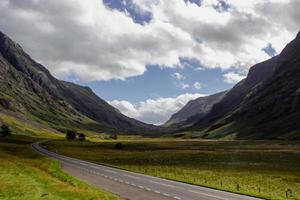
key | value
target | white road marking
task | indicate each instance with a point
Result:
(131, 176)
(156, 191)
(166, 194)
(202, 193)
(110, 171)
(163, 184)
(175, 197)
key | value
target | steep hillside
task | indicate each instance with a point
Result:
(194, 110)
(257, 74)
(27, 88)
(273, 109)
(265, 105)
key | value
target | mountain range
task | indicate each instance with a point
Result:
(265, 105)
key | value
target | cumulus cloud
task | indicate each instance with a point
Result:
(88, 40)
(232, 77)
(154, 111)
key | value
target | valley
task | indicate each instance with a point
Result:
(123, 100)
(266, 169)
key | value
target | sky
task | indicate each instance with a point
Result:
(148, 58)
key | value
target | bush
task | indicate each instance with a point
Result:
(81, 137)
(71, 135)
(119, 146)
(5, 130)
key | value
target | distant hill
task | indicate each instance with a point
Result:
(194, 110)
(27, 88)
(266, 105)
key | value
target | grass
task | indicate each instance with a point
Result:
(266, 169)
(21, 126)
(25, 174)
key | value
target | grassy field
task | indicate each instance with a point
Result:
(27, 175)
(260, 168)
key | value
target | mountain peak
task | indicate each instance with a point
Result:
(7, 43)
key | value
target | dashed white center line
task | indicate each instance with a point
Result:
(135, 177)
(110, 171)
(156, 191)
(202, 193)
(175, 197)
(164, 184)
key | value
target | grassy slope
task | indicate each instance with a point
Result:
(262, 168)
(27, 175)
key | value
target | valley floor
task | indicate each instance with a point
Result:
(267, 169)
(25, 174)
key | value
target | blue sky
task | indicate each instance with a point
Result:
(160, 82)
(148, 58)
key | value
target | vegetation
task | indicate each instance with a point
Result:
(81, 137)
(21, 126)
(28, 176)
(267, 169)
(71, 135)
(5, 130)
(119, 146)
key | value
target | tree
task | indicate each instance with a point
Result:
(5, 130)
(81, 137)
(71, 135)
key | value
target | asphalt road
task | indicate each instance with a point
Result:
(135, 186)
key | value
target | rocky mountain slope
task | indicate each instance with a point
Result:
(263, 106)
(194, 110)
(27, 88)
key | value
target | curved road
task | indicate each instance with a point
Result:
(135, 186)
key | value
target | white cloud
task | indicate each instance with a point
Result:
(197, 85)
(199, 69)
(154, 111)
(87, 40)
(178, 76)
(183, 85)
(233, 78)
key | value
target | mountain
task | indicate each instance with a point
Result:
(266, 105)
(28, 89)
(194, 110)
(256, 75)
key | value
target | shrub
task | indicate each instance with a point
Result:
(81, 137)
(119, 146)
(5, 130)
(71, 135)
